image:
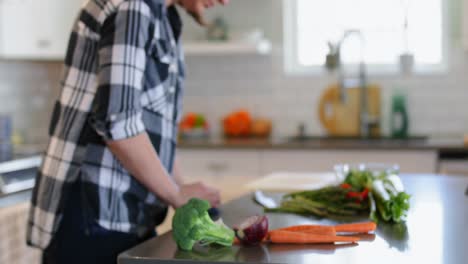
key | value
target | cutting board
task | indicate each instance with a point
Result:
(342, 118)
(293, 181)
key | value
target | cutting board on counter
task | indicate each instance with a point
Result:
(293, 181)
(341, 118)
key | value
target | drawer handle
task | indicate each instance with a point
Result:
(218, 166)
(43, 43)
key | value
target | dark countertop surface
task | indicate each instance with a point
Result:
(414, 143)
(435, 232)
(15, 198)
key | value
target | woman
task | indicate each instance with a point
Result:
(109, 174)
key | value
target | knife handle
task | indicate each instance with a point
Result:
(214, 213)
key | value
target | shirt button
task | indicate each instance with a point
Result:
(173, 67)
(172, 89)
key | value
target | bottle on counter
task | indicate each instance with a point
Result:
(399, 116)
(6, 150)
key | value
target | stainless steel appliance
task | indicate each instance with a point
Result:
(5, 127)
(18, 174)
(454, 167)
(6, 148)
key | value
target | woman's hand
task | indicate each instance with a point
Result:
(196, 8)
(198, 190)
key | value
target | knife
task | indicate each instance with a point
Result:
(214, 213)
(264, 200)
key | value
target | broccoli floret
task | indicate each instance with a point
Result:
(192, 224)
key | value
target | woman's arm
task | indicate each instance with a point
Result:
(139, 157)
(141, 160)
(177, 173)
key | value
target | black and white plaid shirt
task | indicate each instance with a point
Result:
(123, 76)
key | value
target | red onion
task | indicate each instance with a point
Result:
(253, 230)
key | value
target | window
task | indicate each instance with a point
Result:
(311, 24)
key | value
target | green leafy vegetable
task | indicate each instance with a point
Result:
(199, 121)
(392, 204)
(192, 224)
(359, 179)
(213, 254)
(380, 196)
(326, 202)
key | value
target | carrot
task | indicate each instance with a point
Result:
(289, 237)
(314, 229)
(364, 227)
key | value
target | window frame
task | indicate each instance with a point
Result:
(293, 67)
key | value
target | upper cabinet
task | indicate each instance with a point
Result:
(40, 29)
(465, 24)
(36, 29)
(243, 27)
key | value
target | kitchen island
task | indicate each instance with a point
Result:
(435, 232)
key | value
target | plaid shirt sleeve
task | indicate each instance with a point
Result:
(117, 111)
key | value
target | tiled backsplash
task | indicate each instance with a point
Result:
(217, 85)
(27, 92)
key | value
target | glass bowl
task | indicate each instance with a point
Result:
(342, 170)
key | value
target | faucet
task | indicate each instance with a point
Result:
(366, 121)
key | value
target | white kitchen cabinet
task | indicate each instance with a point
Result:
(453, 167)
(227, 170)
(36, 30)
(13, 248)
(219, 164)
(410, 161)
(224, 164)
(465, 24)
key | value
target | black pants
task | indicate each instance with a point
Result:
(84, 242)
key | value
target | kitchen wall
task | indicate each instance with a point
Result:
(27, 92)
(437, 103)
(217, 85)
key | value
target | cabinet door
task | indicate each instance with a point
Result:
(453, 167)
(219, 163)
(465, 24)
(324, 160)
(13, 248)
(32, 29)
(17, 28)
(227, 170)
(55, 26)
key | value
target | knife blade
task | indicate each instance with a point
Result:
(264, 200)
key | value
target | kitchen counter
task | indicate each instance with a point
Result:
(435, 232)
(15, 198)
(451, 145)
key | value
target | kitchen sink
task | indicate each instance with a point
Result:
(357, 138)
(358, 141)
